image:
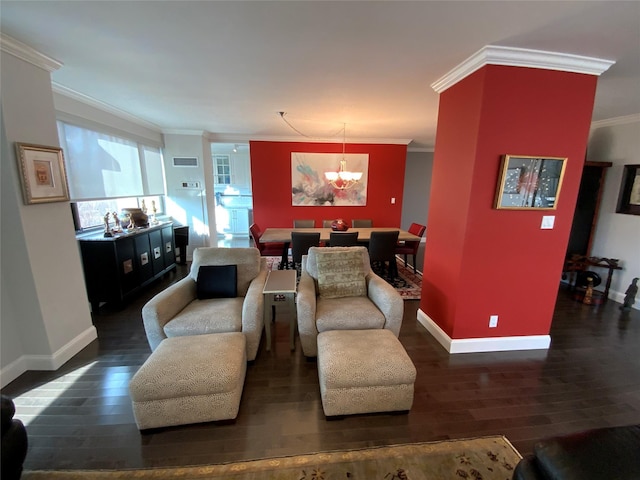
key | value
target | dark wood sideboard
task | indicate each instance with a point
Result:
(116, 268)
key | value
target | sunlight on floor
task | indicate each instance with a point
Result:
(29, 408)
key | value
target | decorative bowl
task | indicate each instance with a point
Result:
(339, 225)
(137, 218)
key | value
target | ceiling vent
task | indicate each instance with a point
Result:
(185, 161)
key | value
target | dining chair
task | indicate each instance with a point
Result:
(304, 223)
(343, 239)
(382, 250)
(271, 249)
(362, 223)
(410, 247)
(300, 244)
(327, 223)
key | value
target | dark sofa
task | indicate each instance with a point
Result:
(14, 442)
(602, 454)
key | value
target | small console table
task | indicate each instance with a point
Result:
(580, 263)
(280, 287)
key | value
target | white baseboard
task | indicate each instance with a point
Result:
(47, 362)
(619, 297)
(12, 371)
(476, 345)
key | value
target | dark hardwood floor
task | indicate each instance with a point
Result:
(80, 416)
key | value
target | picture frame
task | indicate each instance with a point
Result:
(629, 196)
(42, 173)
(529, 182)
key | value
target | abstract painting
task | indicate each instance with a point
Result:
(309, 186)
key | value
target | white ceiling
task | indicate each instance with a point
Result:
(229, 67)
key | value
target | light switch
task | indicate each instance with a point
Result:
(547, 222)
(393, 200)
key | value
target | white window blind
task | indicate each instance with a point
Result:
(100, 165)
(153, 170)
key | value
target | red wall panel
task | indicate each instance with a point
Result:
(271, 184)
(499, 262)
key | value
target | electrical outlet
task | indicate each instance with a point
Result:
(493, 321)
(393, 200)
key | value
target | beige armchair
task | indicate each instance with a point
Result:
(177, 311)
(330, 296)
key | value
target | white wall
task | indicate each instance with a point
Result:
(191, 206)
(45, 310)
(417, 187)
(617, 235)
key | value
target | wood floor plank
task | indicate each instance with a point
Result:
(81, 417)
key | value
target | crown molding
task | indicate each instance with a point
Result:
(421, 149)
(243, 138)
(28, 54)
(610, 122)
(178, 131)
(105, 107)
(522, 57)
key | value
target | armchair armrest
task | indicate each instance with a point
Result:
(253, 313)
(306, 313)
(158, 311)
(388, 300)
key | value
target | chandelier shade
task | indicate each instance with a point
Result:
(343, 179)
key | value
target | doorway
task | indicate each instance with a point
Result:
(232, 190)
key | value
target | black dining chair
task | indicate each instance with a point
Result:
(382, 250)
(304, 223)
(300, 244)
(362, 223)
(343, 239)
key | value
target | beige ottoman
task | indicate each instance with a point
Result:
(190, 380)
(363, 371)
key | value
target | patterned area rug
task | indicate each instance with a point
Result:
(407, 283)
(488, 458)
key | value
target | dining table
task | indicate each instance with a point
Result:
(283, 235)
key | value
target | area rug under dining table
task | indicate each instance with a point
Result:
(484, 458)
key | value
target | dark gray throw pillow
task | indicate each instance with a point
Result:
(217, 281)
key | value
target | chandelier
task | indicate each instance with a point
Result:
(343, 178)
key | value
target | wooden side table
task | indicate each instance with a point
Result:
(280, 287)
(580, 263)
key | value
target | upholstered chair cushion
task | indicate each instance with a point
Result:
(247, 260)
(196, 317)
(311, 266)
(340, 274)
(353, 313)
(217, 281)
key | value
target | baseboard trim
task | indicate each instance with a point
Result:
(12, 371)
(47, 362)
(618, 297)
(477, 345)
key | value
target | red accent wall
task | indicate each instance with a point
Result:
(271, 184)
(480, 261)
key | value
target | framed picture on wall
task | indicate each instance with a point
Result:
(529, 182)
(309, 187)
(629, 196)
(42, 174)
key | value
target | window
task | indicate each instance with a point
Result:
(107, 173)
(222, 173)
